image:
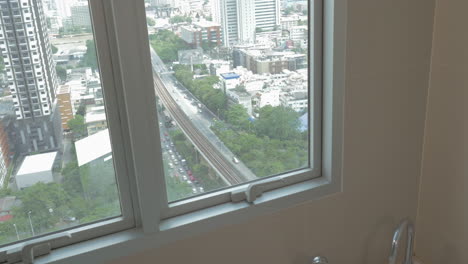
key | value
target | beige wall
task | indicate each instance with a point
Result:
(443, 206)
(389, 44)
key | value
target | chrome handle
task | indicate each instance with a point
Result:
(320, 260)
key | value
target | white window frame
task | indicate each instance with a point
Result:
(122, 38)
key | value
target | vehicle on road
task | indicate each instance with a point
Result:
(235, 160)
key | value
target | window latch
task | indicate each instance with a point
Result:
(256, 189)
(42, 246)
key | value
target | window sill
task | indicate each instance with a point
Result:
(129, 242)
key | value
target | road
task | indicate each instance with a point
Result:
(196, 125)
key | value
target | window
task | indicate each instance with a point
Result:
(188, 125)
(212, 136)
(91, 194)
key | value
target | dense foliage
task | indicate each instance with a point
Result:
(86, 194)
(180, 19)
(167, 44)
(213, 99)
(150, 22)
(89, 59)
(270, 145)
(61, 73)
(78, 126)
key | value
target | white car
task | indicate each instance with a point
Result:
(200, 189)
(184, 177)
(194, 190)
(235, 160)
(171, 165)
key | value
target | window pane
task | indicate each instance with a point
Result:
(56, 166)
(231, 81)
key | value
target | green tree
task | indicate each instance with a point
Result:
(81, 110)
(150, 22)
(71, 179)
(180, 19)
(287, 11)
(278, 123)
(90, 58)
(54, 49)
(167, 44)
(61, 72)
(39, 199)
(2, 64)
(78, 126)
(237, 116)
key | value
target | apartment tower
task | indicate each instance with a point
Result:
(32, 80)
(241, 19)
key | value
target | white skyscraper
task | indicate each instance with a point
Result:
(267, 14)
(239, 19)
(32, 80)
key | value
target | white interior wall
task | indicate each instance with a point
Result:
(442, 234)
(388, 61)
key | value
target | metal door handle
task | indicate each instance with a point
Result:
(319, 260)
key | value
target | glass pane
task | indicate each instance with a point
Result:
(231, 81)
(56, 167)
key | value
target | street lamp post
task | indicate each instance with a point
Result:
(30, 223)
(16, 229)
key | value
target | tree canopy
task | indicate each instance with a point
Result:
(167, 44)
(213, 99)
(90, 58)
(150, 22)
(78, 126)
(180, 19)
(270, 145)
(61, 72)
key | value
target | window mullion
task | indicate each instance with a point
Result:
(138, 93)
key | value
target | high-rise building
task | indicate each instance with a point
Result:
(32, 80)
(267, 14)
(241, 19)
(80, 15)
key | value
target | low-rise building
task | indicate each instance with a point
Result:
(268, 61)
(93, 148)
(299, 33)
(36, 168)
(229, 80)
(242, 98)
(95, 119)
(297, 100)
(201, 32)
(288, 22)
(269, 97)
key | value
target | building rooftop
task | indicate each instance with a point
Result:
(205, 24)
(95, 117)
(230, 75)
(93, 147)
(37, 163)
(64, 89)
